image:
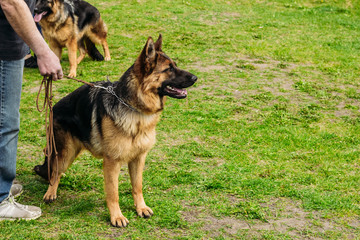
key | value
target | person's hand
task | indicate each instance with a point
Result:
(49, 65)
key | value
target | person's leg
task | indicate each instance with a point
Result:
(11, 73)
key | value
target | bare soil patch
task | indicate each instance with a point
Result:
(279, 79)
(285, 216)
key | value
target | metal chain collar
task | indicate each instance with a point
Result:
(109, 89)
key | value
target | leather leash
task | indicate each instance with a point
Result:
(82, 81)
(50, 148)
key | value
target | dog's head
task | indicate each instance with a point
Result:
(45, 8)
(159, 73)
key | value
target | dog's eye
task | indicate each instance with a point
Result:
(170, 68)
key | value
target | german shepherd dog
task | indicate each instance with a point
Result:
(74, 24)
(119, 126)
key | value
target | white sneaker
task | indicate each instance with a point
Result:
(11, 210)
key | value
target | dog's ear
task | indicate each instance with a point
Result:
(150, 50)
(147, 60)
(158, 43)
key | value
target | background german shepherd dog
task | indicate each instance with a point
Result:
(118, 127)
(74, 24)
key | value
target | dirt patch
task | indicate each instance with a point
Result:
(284, 216)
(296, 85)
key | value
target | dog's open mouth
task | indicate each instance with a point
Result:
(174, 92)
(38, 16)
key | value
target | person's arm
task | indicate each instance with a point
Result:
(18, 15)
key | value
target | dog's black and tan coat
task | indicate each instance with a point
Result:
(74, 24)
(93, 119)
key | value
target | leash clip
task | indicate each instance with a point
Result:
(110, 89)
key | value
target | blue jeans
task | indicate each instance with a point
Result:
(11, 74)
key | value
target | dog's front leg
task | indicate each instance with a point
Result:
(136, 168)
(56, 48)
(72, 51)
(111, 175)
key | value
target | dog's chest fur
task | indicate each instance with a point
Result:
(61, 30)
(126, 137)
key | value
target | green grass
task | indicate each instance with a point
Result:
(266, 146)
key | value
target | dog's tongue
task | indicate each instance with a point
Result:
(176, 91)
(38, 16)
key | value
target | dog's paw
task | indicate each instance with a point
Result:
(72, 74)
(144, 212)
(119, 221)
(107, 58)
(49, 197)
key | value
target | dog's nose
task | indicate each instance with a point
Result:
(193, 78)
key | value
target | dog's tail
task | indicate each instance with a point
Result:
(92, 50)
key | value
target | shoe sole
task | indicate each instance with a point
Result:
(14, 219)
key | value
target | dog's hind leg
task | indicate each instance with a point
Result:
(111, 176)
(98, 35)
(68, 149)
(92, 50)
(42, 170)
(106, 50)
(136, 168)
(82, 50)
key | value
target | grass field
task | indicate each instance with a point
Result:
(266, 146)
